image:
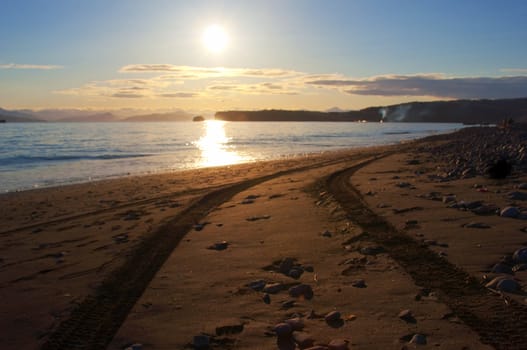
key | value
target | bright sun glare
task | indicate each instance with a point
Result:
(215, 39)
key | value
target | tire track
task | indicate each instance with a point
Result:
(94, 322)
(500, 324)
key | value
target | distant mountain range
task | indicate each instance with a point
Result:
(78, 116)
(459, 111)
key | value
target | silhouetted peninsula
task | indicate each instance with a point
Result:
(459, 111)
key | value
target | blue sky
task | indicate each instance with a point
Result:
(281, 54)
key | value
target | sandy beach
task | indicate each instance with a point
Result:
(375, 248)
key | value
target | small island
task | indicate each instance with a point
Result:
(198, 118)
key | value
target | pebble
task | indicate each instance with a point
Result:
(296, 323)
(519, 267)
(510, 212)
(501, 268)
(136, 346)
(520, 255)
(273, 288)
(504, 284)
(326, 234)
(283, 329)
(338, 344)
(406, 315)
(257, 285)
(219, 245)
(266, 298)
(419, 339)
(359, 283)
(449, 199)
(476, 225)
(303, 340)
(333, 316)
(286, 265)
(520, 196)
(201, 342)
(303, 290)
(295, 273)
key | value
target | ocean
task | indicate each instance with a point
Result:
(35, 155)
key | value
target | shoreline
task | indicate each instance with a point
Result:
(76, 245)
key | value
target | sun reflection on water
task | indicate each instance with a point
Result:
(214, 146)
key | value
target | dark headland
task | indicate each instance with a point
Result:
(459, 111)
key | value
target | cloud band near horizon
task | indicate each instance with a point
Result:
(29, 66)
(165, 82)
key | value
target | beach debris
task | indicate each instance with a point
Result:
(407, 316)
(503, 284)
(510, 212)
(273, 288)
(520, 255)
(201, 341)
(219, 245)
(303, 340)
(476, 225)
(301, 290)
(326, 234)
(419, 339)
(338, 344)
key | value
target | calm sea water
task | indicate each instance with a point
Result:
(50, 154)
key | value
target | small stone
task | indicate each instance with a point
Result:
(501, 268)
(257, 285)
(136, 346)
(419, 339)
(303, 290)
(219, 245)
(338, 344)
(449, 199)
(296, 323)
(510, 212)
(504, 284)
(520, 255)
(201, 342)
(476, 225)
(283, 329)
(518, 196)
(519, 267)
(333, 316)
(359, 283)
(303, 340)
(266, 298)
(273, 288)
(295, 273)
(326, 234)
(286, 265)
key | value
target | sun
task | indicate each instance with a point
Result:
(215, 38)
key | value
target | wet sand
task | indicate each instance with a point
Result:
(167, 260)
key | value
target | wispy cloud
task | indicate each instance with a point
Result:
(266, 88)
(514, 70)
(436, 85)
(191, 72)
(29, 66)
